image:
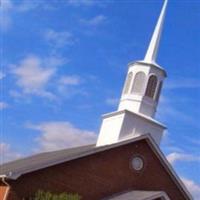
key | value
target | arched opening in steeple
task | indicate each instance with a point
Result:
(151, 86)
(128, 83)
(159, 91)
(138, 84)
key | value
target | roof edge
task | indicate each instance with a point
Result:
(169, 167)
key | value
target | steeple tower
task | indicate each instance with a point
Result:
(144, 79)
(139, 97)
(152, 51)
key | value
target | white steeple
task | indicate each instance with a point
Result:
(151, 54)
(139, 98)
(144, 79)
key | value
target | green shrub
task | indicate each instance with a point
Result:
(42, 195)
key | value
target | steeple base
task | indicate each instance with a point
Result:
(122, 125)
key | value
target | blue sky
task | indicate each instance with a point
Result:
(63, 65)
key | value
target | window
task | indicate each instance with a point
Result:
(128, 83)
(159, 91)
(151, 86)
(138, 84)
(137, 163)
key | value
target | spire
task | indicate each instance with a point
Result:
(154, 44)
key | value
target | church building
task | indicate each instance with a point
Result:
(126, 163)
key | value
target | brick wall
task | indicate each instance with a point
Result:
(97, 176)
(3, 190)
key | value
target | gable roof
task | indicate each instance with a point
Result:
(18, 167)
(141, 195)
(15, 169)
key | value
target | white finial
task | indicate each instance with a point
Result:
(154, 44)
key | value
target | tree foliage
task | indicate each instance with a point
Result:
(42, 195)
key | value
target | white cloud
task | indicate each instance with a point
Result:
(112, 101)
(59, 39)
(3, 105)
(70, 80)
(2, 75)
(175, 157)
(25, 6)
(95, 21)
(7, 154)
(195, 141)
(5, 19)
(169, 146)
(82, 2)
(61, 134)
(183, 83)
(193, 187)
(54, 61)
(8, 7)
(28, 5)
(166, 110)
(70, 85)
(34, 73)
